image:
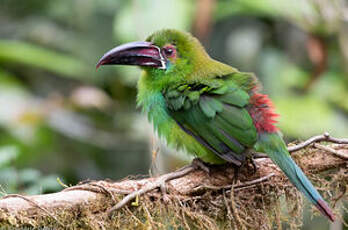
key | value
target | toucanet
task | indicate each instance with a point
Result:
(210, 109)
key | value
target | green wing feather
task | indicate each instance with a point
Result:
(215, 114)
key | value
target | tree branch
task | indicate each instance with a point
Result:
(325, 137)
(194, 198)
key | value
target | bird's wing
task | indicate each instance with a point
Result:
(215, 114)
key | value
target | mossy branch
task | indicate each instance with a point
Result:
(194, 199)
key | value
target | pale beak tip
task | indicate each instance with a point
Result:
(100, 63)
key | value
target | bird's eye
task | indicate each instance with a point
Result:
(169, 51)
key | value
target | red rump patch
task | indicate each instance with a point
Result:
(262, 113)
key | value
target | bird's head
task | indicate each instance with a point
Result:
(166, 55)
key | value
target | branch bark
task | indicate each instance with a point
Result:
(193, 197)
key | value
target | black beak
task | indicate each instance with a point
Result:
(134, 53)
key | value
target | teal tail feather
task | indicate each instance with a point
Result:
(273, 145)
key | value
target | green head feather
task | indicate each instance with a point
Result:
(191, 63)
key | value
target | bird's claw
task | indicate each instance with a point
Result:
(255, 168)
(199, 164)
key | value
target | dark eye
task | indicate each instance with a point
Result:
(168, 51)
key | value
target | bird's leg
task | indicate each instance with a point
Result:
(237, 168)
(236, 173)
(252, 161)
(250, 158)
(199, 164)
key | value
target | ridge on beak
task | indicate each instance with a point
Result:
(134, 53)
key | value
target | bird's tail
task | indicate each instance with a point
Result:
(273, 145)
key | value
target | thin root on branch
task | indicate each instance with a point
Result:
(158, 182)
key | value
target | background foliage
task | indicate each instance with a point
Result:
(59, 118)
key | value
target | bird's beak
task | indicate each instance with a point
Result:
(134, 53)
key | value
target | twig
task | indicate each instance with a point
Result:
(235, 214)
(92, 188)
(331, 150)
(325, 137)
(256, 181)
(229, 212)
(148, 215)
(105, 190)
(151, 186)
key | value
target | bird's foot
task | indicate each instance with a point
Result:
(238, 169)
(250, 159)
(236, 174)
(199, 164)
(255, 168)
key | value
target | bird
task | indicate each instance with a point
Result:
(206, 107)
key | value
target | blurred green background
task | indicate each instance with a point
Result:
(59, 118)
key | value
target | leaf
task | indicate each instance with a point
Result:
(7, 154)
(28, 54)
(29, 175)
